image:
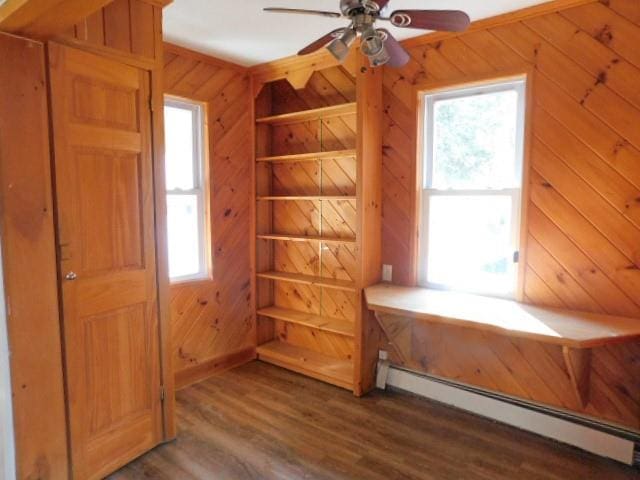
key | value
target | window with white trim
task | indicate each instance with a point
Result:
(186, 199)
(473, 145)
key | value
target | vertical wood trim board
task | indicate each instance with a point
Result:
(7, 438)
(162, 258)
(29, 261)
(583, 193)
(369, 146)
(212, 321)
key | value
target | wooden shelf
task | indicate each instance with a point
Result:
(309, 157)
(308, 362)
(309, 280)
(307, 197)
(326, 324)
(309, 115)
(506, 317)
(577, 333)
(306, 238)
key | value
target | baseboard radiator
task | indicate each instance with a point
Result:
(589, 435)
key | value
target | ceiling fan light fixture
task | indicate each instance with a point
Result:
(372, 43)
(379, 45)
(339, 47)
(380, 58)
(374, 48)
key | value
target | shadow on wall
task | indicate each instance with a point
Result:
(7, 448)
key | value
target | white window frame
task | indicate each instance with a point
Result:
(519, 85)
(198, 164)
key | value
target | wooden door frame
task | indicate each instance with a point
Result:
(156, 104)
(28, 245)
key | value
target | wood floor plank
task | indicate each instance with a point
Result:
(262, 422)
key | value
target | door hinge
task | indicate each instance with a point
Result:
(162, 393)
(151, 104)
(516, 256)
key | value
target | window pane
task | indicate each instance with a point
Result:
(474, 141)
(470, 243)
(179, 126)
(184, 243)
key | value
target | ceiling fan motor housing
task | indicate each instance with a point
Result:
(349, 8)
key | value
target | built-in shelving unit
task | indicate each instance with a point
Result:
(309, 157)
(308, 362)
(309, 280)
(309, 197)
(309, 251)
(306, 238)
(309, 115)
(318, 322)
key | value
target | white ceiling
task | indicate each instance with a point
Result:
(239, 31)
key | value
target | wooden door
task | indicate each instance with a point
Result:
(104, 191)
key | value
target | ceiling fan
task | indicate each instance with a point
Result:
(377, 43)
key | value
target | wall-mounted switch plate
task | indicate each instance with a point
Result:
(387, 273)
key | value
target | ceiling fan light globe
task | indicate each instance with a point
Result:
(339, 47)
(380, 58)
(372, 43)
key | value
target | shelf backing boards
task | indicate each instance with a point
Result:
(313, 332)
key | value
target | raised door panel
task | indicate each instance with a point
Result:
(112, 240)
(105, 210)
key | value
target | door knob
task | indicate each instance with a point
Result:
(71, 276)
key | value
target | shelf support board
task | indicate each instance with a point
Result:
(578, 363)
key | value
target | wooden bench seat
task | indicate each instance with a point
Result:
(576, 332)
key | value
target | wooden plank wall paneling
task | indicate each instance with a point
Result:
(584, 204)
(335, 218)
(212, 321)
(125, 26)
(29, 262)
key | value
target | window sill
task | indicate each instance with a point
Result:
(189, 281)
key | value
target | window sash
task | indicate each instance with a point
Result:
(197, 156)
(428, 191)
(423, 270)
(519, 86)
(198, 166)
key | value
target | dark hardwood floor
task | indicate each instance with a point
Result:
(263, 422)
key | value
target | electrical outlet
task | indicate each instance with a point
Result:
(387, 273)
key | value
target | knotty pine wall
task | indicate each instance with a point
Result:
(583, 229)
(212, 321)
(126, 26)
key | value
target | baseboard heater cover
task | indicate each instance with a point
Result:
(581, 436)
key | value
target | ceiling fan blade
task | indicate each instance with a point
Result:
(321, 42)
(303, 12)
(442, 20)
(381, 3)
(399, 56)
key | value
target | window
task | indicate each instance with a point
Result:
(186, 206)
(473, 155)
